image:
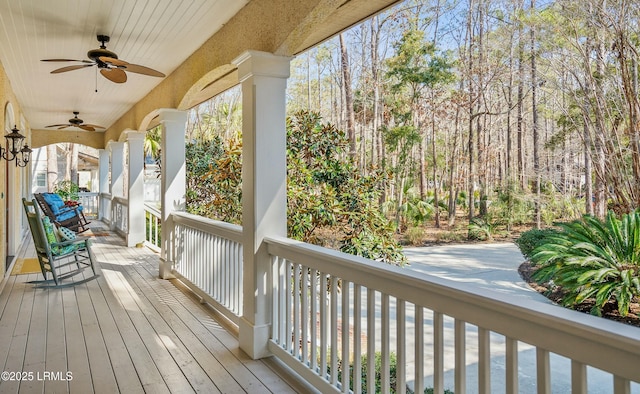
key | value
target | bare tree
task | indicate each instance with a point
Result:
(52, 167)
(348, 95)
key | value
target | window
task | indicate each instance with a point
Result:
(41, 179)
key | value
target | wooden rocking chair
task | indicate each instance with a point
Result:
(63, 259)
(54, 207)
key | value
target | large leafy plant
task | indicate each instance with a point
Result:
(330, 202)
(67, 190)
(594, 259)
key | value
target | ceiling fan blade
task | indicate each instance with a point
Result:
(57, 125)
(70, 68)
(113, 61)
(114, 75)
(86, 127)
(66, 60)
(95, 126)
(136, 68)
(64, 126)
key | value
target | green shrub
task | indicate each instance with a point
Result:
(67, 190)
(393, 364)
(594, 259)
(414, 235)
(481, 229)
(530, 240)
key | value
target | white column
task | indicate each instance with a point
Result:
(264, 196)
(116, 187)
(103, 179)
(136, 220)
(173, 184)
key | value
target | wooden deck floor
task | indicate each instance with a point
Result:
(127, 332)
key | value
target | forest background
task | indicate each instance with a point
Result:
(445, 120)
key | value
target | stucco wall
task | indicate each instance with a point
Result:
(16, 176)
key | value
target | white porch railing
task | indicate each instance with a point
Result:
(208, 259)
(105, 207)
(119, 215)
(330, 308)
(152, 226)
(90, 204)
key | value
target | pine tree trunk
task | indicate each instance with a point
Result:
(52, 167)
(520, 125)
(348, 98)
(534, 110)
(74, 163)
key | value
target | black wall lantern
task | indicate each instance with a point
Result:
(14, 149)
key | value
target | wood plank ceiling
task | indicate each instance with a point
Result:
(159, 34)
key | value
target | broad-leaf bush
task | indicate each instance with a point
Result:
(531, 239)
(330, 202)
(594, 259)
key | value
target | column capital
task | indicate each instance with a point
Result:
(172, 115)
(111, 145)
(258, 63)
(134, 135)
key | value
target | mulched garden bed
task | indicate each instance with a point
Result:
(610, 310)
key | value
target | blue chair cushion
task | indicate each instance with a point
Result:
(54, 201)
(62, 216)
(58, 207)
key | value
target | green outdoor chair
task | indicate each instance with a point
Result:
(63, 259)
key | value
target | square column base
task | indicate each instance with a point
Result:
(133, 239)
(253, 339)
(164, 269)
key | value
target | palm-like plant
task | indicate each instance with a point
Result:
(593, 258)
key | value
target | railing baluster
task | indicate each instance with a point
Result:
(304, 294)
(401, 373)
(543, 369)
(288, 305)
(484, 361)
(313, 364)
(371, 340)
(621, 385)
(418, 338)
(296, 310)
(578, 378)
(357, 339)
(511, 367)
(324, 319)
(345, 336)
(460, 356)
(334, 330)
(438, 352)
(275, 299)
(384, 340)
(284, 301)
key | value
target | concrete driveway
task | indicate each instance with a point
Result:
(494, 267)
(489, 266)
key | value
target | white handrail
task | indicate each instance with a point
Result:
(323, 301)
(586, 340)
(208, 258)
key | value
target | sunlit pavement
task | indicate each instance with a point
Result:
(494, 267)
